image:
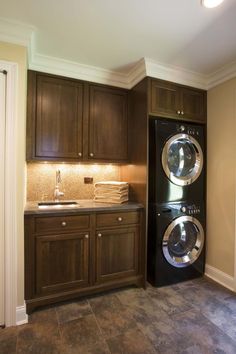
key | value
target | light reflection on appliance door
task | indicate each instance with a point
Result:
(175, 192)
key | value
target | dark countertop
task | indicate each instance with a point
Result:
(83, 206)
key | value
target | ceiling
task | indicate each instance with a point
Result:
(115, 35)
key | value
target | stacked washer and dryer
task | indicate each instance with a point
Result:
(176, 217)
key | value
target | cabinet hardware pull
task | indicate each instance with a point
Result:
(182, 113)
(86, 236)
(63, 223)
(91, 154)
(119, 218)
(80, 154)
(178, 112)
(99, 235)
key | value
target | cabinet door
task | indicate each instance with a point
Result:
(164, 99)
(61, 262)
(194, 104)
(116, 253)
(58, 123)
(108, 123)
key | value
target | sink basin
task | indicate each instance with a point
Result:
(62, 204)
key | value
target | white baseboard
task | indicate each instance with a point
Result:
(220, 277)
(21, 315)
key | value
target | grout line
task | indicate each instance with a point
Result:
(58, 325)
(104, 339)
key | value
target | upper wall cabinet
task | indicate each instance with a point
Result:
(176, 101)
(55, 117)
(108, 123)
(71, 120)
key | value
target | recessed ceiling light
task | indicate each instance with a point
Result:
(211, 3)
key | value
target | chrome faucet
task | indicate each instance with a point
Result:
(57, 193)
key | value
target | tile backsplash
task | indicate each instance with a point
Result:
(41, 179)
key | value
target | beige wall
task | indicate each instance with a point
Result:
(221, 176)
(18, 54)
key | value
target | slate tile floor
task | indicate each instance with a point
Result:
(194, 317)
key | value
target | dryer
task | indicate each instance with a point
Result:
(176, 161)
(176, 242)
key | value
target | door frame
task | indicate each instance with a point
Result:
(10, 193)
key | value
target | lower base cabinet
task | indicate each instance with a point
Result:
(67, 256)
(61, 262)
(116, 254)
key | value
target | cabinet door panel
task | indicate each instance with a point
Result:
(108, 124)
(61, 262)
(117, 253)
(165, 99)
(58, 118)
(194, 104)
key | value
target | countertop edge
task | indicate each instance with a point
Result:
(85, 207)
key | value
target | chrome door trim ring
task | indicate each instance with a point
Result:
(183, 181)
(191, 257)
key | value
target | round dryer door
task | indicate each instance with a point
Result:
(183, 241)
(182, 159)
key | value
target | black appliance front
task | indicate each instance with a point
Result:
(176, 161)
(176, 242)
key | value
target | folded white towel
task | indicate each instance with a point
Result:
(108, 183)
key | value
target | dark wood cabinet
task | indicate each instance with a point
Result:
(194, 104)
(108, 123)
(75, 254)
(171, 100)
(71, 120)
(116, 253)
(62, 262)
(164, 99)
(55, 118)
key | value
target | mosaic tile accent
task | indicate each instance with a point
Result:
(41, 179)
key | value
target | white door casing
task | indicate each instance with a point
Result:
(10, 199)
(2, 194)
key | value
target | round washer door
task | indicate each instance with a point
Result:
(183, 241)
(182, 159)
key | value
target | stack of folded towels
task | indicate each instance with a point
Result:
(111, 192)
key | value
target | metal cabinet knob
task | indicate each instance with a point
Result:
(91, 154)
(80, 154)
(178, 112)
(63, 223)
(182, 113)
(86, 236)
(99, 235)
(119, 218)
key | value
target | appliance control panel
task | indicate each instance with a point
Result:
(191, 209)
(187, 130)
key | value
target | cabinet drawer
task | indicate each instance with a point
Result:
(62, 223)
(114, 219)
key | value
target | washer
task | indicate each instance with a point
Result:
(176, 242)
(176, 161)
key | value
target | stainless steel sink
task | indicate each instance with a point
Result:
(61, 204)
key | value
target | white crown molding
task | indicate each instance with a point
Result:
(75, 70)
(22, 34)
(175, 74)
(136, 74)
(224, 74)
(220, 277)
(15, 32)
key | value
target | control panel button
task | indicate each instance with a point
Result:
(182, 128)
(183, 209)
